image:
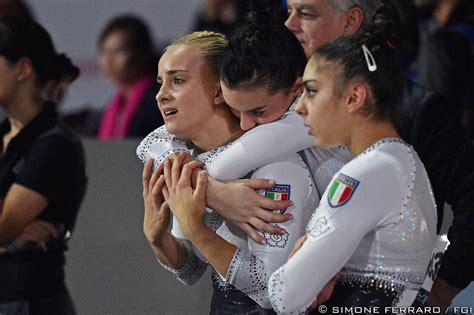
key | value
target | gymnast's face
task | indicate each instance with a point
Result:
(187, 90)
(322, 104)
(256, 106)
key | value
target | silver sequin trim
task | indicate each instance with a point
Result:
(209, 156)
(276, 240)
(159, 145)
(274, 289)
(249, 274)
(192, 270)
(391, 284)
(212, 220)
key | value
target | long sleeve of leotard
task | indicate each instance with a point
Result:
(192, 270)
(262, 145)
(282, 137)
(251, 268)
(357, 201)
(196, 263)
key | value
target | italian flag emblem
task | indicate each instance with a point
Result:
(279, 192)
(341, 190)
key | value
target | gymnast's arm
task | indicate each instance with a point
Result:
(233, 263)
(238, 201)
(250, 270)
(174, 254)
(334, 234)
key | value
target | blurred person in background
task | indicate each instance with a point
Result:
(128, 59)
(15, 8)
(223, 16)
(219, 16)
(445, 61)
(42, 175)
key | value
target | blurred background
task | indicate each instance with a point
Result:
(110, 268)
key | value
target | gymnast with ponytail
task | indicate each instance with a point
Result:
(42, 173)
(376, 222)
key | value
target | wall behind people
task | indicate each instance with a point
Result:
(110, 267)
(75, 26)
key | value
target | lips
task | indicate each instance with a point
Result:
(169, 112)
(309, 129)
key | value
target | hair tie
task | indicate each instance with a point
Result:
(369, 58)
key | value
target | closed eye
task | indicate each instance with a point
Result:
(258, 113)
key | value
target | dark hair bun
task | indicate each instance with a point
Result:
(386, 23)
(63, 67)
(263, 52)
(263, 12)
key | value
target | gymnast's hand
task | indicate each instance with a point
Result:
(187, 157)
(239, 202)
(187, 204)
(157, 214)
(298, 245)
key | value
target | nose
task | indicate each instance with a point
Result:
(247, 122)
(301, 107)
(163, 96)
(292, 22)
(104, 61)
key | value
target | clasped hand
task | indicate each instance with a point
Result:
(187, 204)
(170, 187)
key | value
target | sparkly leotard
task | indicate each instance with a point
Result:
(245, 284)
(376, 222)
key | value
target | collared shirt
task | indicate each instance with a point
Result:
(46, 157)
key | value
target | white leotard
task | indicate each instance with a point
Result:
(376, 222)
(252, 263)
(259, 146)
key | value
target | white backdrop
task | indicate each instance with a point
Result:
(75, 26)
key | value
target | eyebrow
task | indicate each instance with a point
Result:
(256, 108)
(309, 81)
(302, 6)
(175, 71)
(170, 72)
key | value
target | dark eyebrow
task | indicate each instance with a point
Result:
(256, 108)
(175, 71)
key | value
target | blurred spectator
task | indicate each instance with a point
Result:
(222, 16)
(42, 174)
(219, 16)
(128, 58)
(15, 8)
(446, 54)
